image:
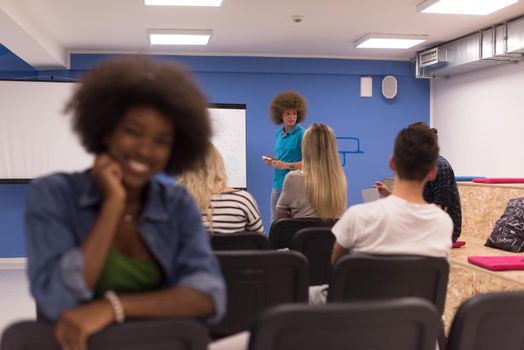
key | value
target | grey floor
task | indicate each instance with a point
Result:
(15, 301)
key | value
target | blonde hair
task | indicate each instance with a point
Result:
(207, 178)
(323, 175)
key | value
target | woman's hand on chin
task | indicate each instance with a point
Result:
(76, 325)
(108, 176)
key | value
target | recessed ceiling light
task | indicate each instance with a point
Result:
(214, 3)
(179, 37)
(463, 7)
(389, 41)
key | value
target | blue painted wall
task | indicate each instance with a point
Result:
(331, 87)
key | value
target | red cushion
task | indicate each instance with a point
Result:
(499, 180)
(458, 244)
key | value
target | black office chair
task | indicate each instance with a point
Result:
(240, 241)
(489, 321)
(406, 323)
(256, 280)
(282, 230)
(158, 334)
(359, 277)
(316, 243)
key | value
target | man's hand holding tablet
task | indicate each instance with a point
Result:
(267, 160)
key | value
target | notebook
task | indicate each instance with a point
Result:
(370, 194)
(498, 263)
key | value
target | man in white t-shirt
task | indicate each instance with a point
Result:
(403, 223)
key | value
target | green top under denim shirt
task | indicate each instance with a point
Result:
(123, 274)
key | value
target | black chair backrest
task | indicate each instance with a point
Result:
(316, 243)
(240, 241)
(489, 321)
(158, 334)
(407, 324)
(256, 280)
(282, 230)
(358, 277)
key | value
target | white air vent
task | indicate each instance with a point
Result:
(428, 57)
(499, 44)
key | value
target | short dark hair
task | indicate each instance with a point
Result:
(424, 125)
(116, 85)
(288, 100)
(416, 150)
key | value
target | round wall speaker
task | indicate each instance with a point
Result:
(389, 86)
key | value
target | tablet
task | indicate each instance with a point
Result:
(370, 194)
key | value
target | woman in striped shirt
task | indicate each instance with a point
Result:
(224, 209)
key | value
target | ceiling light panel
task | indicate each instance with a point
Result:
(389, 41)
(179, 37)
(211, 3)
(463, 7)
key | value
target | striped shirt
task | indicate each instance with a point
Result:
(234, 212)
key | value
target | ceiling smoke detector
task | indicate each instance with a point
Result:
(297, 18)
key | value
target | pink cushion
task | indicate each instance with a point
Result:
(498, 263)
(499, 180)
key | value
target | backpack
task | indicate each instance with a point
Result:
(508, 233)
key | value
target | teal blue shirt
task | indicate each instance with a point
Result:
(287, 149)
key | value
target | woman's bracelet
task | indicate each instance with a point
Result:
(116, 305)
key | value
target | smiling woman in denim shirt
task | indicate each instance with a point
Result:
(111, 242)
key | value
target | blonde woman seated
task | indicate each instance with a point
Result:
(224, 209)
(319, 189)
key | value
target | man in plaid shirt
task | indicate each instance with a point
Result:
(443, 192)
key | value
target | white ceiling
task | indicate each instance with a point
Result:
(44, 32)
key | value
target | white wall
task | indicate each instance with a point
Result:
(15, 301)
(480, 121)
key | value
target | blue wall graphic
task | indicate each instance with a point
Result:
(346, 146)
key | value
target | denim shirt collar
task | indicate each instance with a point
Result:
(154, 209)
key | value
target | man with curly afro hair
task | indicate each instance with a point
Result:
(287, 109)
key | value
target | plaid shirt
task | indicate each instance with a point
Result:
(443, 191)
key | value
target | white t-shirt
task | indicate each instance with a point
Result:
(393, 226)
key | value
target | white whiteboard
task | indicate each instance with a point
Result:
(229, 136)
(36, 136)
